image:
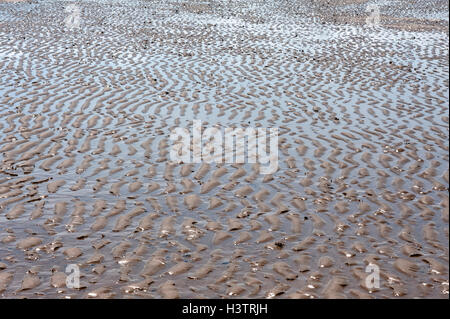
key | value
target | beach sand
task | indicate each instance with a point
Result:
(86, 113)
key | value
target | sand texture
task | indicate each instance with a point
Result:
(85, 175)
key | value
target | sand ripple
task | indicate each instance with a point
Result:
(85, 119)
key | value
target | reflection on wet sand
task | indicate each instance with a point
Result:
(85, 176)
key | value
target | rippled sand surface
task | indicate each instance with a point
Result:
(85, 177)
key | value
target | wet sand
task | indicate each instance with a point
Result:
(85, 176)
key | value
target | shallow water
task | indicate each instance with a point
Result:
(363, 153)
